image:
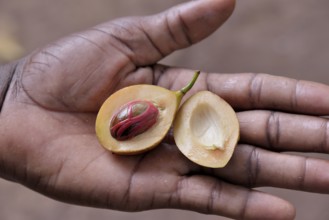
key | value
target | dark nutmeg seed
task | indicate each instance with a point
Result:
(132, 119)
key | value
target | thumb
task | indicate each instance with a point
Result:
(149, 39)
(77, 73)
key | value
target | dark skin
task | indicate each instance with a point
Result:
(48, 140)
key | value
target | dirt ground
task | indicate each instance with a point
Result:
(288, 38)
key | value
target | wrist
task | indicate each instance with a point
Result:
(6, 75)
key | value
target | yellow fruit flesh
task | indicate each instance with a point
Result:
(164, 99)
(206, 130)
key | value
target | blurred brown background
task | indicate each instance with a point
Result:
(280, 37)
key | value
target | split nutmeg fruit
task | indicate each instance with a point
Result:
(136, 118)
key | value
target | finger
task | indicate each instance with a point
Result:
(256, 167)
(79, 72)
(212, 196)
(284, 132)
(262, 91)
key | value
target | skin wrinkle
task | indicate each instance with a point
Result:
(40, 63)
(176, 13)
(48, 183)
(108, 200)
(161, 73)
(157, 71)
(27, 70)
(142, 75)
(39, 66)
(294, 95)
(301, 182)
(62, 102)
(69, 97)
(71, 196)
(185, 29)
(37, 182)
(48, 186)
(103, 201)
(8, 79)
(44, 106)
(92, 160)
(44, 186)
(168, 27)
(123, 24)
(46, 53)
(75, 87)
(215, 193)
(245, 205)
(175, 197)
(119, 45)
(118, 27)
(251, 94)
(255, 89)
(91, 42)
(128, 51)
(10, 82)
(324, 143)
(6, 171)
(122, 72)
(58, 172)
(92, 198)
(203, 79)
(207, 83)
(127, 194)
(253, 167)
(3, 169)
(273, 130)
(150, 40)
(152, 203)
(80, 82)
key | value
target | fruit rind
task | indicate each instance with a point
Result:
(203, 116)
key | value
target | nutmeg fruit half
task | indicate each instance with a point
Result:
(206, 130)
(136, 118)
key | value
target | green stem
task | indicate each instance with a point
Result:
(190, 85)
(183, 91)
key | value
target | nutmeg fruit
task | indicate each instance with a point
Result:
(136, 118)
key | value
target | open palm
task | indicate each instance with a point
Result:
(49, 115)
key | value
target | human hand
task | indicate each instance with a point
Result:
(48, 141)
